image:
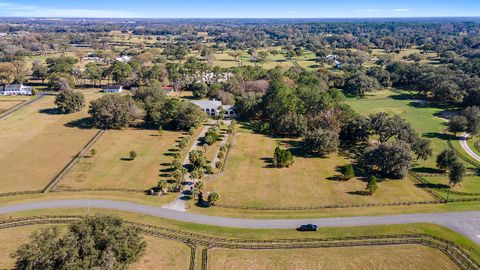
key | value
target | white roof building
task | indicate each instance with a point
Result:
(112, 89)
(124, 58)
(16, 89)
(212, 107)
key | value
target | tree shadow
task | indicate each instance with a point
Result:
(83, 123)
(403, 96)
(432, 185)
(268, 162)
(438, 135)
(51, 111)
(359, 193)
(427, 170)
(167, 170)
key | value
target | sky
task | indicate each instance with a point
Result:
(239, 8)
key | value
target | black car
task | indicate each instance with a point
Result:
(308, 228)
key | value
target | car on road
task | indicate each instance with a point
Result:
(308, 228)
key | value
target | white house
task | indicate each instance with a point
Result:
(212, 107)
(112, 89)
(124, 58)
(16, 89)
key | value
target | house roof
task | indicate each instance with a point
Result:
(207, 104)
(112, 86)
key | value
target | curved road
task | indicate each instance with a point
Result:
(464, 144)
(466, 223)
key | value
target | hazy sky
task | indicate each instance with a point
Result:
(239, 8)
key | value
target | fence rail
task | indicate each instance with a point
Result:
(462, 259)
(52, 185)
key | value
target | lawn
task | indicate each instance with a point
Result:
(469, 184)
(37, 142)
(9, 102)
(111, 167)
(163, 254)
(249, 180)
(160, 253)
(359, 258)
(424, 119)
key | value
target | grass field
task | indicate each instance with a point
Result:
(249, 180)
(160, 253)
(163, 254)
(11, 239)
(469, 184)
(111, 167)
(423, 119)
(8, 102)
(37, 142)
(352, 258)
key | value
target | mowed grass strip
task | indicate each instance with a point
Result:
(111, 167)
(249, 180)
(160, 253)
(351, 258)
(37, 143)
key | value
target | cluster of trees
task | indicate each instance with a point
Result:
(447, 160)
(467, 121)
(149, 103)
(96, 242)
(167, 112)
(397, 141)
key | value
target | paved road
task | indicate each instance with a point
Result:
(7, 113)
(464, 144)
(466, 223)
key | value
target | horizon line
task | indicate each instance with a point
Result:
(239, 18)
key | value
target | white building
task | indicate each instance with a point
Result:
(213, 107)
(112, 89)
(124, 59)
(16, 89)
(215, 78)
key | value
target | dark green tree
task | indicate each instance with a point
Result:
(95, 242)
(70, 101)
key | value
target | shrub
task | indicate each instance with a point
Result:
(282, 158)
(213, 198)
(133, 155)
(372, 185)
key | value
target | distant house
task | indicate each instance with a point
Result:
(213, 107)
(124, 58)
(168, 89)
(16, 89)
(112, 89)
